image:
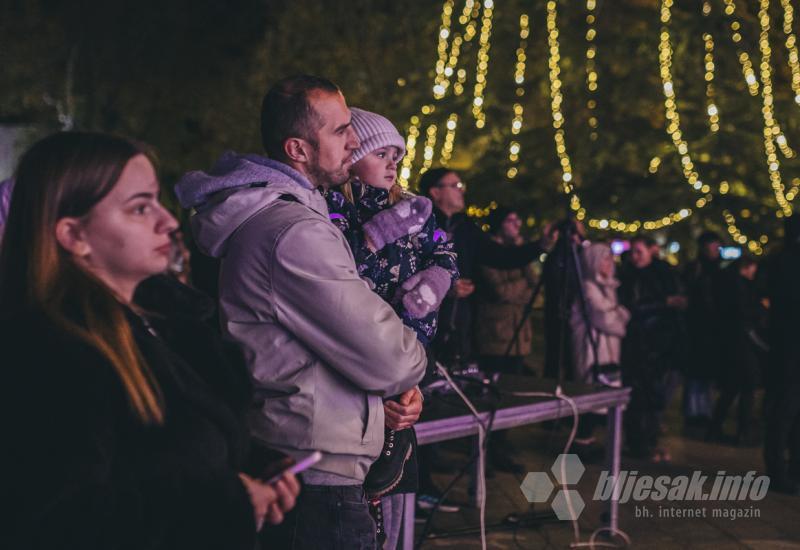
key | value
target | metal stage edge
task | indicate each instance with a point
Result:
(539, 410)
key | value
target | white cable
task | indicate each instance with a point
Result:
(577, 543)
(481, 451)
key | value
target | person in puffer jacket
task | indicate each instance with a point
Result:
(412, 273)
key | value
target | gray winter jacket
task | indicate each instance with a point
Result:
(323, 349)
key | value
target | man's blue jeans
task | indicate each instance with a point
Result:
(330, 517)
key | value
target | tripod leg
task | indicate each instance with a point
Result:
(613, 458)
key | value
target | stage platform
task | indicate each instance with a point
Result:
(445, 417)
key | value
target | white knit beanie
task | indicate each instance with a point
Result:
(374, 131)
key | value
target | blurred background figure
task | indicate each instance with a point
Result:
(597, 333)
(743, 323)
(783, 375)
(503, 294)
(653, 344)
(502, 297)
(702, 279)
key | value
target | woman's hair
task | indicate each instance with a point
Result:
(395, 193)
(66, 175)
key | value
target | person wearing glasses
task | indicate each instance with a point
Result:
(474, 248)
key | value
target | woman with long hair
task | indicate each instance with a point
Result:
(122, 424)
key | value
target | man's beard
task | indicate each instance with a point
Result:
(326, 179)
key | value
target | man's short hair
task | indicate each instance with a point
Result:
(644, 239)
(431, 178)
(708, 237)
(286, 111)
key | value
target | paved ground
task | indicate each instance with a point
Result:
(777, 524)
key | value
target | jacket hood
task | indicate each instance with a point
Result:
(591, 257)
(236, 188)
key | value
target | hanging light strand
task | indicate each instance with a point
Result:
(469, 15)
(556, 96)
(591, 66)
(771, 131)
(411, 151)
(751, 79)
(440, 81)
(430, 143)
(711, 106)
(791, 47)
(519, 80)
(671, 106)
(446, 66)
(794, 64)
(753, 246)
(744, 58)
(556, 99)
(449, 139)
(482, 70)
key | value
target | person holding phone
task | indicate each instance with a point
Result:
(121, 413)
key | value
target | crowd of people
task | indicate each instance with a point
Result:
(703, 326)
(142, 411)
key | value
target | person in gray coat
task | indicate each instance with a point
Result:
(322, 348)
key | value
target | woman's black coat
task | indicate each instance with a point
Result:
(80, 471)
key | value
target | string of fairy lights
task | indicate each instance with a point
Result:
(791, 47)
(442, 79)
(449, 49)
(751, 79)
(514, 146)
(744, 58)
(483, 64)
(711, 106)
(671, 107)
(591, 67)
(556, 97)
(771, 130)
(449, 139)
(476, 22)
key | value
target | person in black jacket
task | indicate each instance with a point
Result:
(783, 373)
(702, 280)
(652, 346)
(474, 248)
(743, 320)
(122, 417)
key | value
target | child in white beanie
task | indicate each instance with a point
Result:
(393, 235)
(405, 259)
